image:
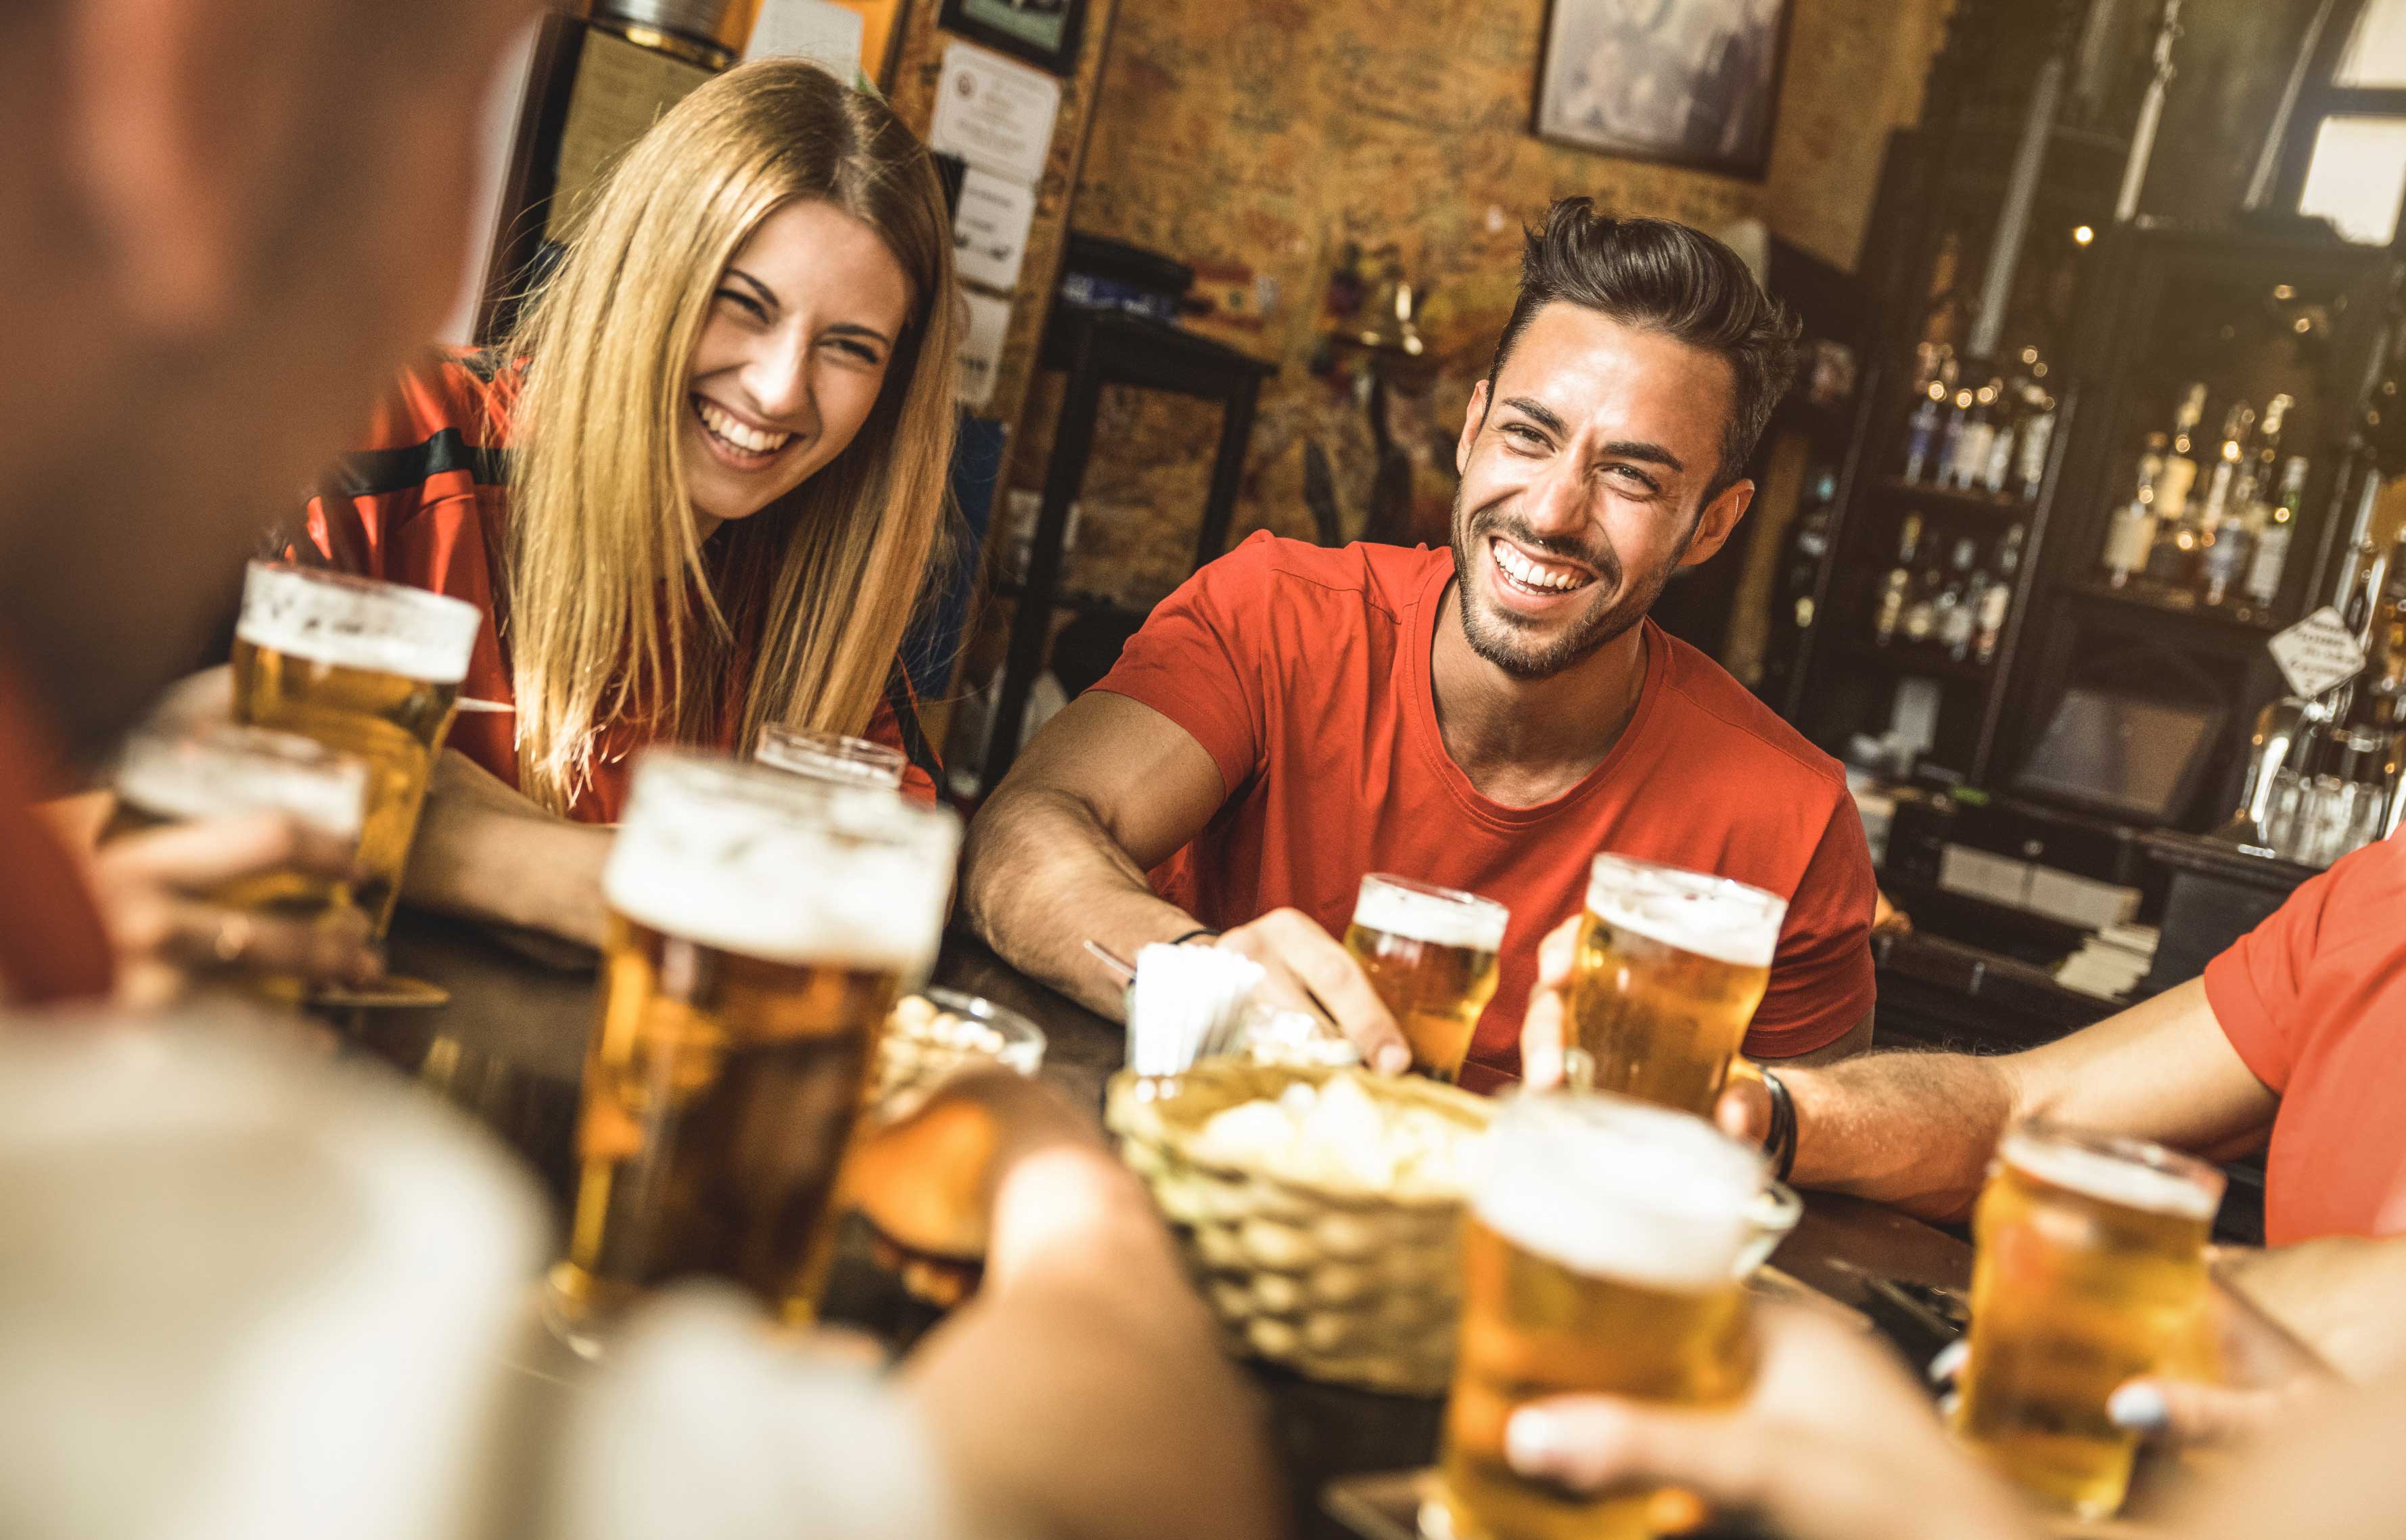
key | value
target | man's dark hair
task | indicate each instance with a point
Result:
(1669, 279)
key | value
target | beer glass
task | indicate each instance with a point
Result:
(1431, 952)
(761, 927)
(1671, 964)
(1600, 1255)
(221, 771)
(372, 669)
(2090, 1271)
(830, 757)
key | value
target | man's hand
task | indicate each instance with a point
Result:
(1834, 1443)
(155, 892)
(1310, 971)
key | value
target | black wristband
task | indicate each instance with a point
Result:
(1205, 931)
(1779, 1143)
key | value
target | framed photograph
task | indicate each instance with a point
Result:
(1694, 83)
(1045, 32)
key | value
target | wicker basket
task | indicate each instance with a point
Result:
(1341, 1286)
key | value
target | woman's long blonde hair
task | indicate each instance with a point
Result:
(605, 570)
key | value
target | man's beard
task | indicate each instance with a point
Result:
(1504, 642)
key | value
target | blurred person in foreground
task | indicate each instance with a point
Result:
(224, 230)
(2296, 1035)
(1486, 717)
(1836, 1442)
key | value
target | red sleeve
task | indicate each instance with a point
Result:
(2253, 986)
(1193, 661)
(419, 450)
(886, 727)
(1822, 982)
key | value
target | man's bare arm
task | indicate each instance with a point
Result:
(1057, 857)
(486, 851)
(1917, 1130)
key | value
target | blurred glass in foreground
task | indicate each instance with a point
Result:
(1601, 1254)
(2091, 1272)
(832, 757)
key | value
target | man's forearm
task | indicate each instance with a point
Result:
(535, 870)
(1915, 1130)
(1041, 876)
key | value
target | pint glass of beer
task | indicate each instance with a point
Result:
(221, 771)
(830, 757)
(761, 927)
(1431, 952)
(1600, 1255)
(2091, 1271)
(1671, 964)
(372, 669)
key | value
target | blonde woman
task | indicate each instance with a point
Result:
(697, 493)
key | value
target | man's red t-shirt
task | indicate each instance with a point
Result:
(425, 501)
(2315, 1001)
(1305, 673)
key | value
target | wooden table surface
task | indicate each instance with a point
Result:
(509, 1047)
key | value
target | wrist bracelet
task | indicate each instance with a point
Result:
(1779, 1143)
(1204, 931)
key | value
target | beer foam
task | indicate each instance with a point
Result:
(1437, 916)
(2111, 1179)
(1621, 1190)
(757, 861)
(358, 623)
(229, 771)
(1710, 916)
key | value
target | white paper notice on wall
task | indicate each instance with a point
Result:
(995, 114)
(2318, 653)
(829, 36)
(990, 229)
(981, 351)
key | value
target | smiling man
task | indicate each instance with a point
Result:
(1487, 717)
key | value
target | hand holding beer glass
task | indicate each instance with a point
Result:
(1432, 956)
(2090, 1272)
(1601, 1254)
(761, 925)
(284, 924)
(1669, 968)
(371, 669)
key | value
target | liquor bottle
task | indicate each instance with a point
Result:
(1898, 583)
(2222, 542)
(2271, 556)
(1950, 438)
(2177, 535)
(1921, 431)
(2037, 433)
(2131, 534)
(1958, 601)
(1998, 597)
(1921, 609)
(1969, 467)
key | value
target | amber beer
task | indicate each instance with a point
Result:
(760, 927)
(2091, 1272)
(1431, 952)
(219, 770)
(1671, 964)
(830, 757)
(1600, 1255)
(372, 669)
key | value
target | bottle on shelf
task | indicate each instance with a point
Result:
(2271, 555)
(1898, 584)
(1921, 431)
(2009, 420)
(2131, 533)
(1968, 467)
(1997, 598)
(1958, 601)
(2221, 536)
(1950, 438)
(2171, 559)
(2037, 432)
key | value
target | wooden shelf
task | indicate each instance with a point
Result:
(2149, 600)
(1968, 498)
(1915, 658)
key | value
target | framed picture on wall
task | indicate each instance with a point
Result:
(1045, 32)
(1695, 82)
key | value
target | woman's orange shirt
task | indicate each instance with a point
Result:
(425, 503)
